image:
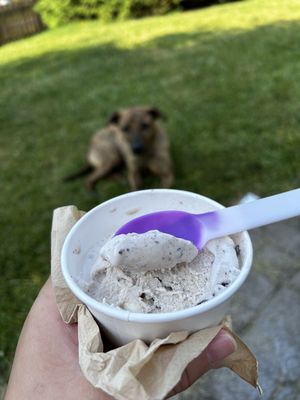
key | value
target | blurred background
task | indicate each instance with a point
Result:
(226, 74)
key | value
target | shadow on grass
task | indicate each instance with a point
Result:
(232, 101)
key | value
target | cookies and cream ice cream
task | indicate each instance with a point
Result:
(156, 272)
(150, 251)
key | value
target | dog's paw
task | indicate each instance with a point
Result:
(89, 185)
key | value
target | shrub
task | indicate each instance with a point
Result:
(118, 9)
(59, 12)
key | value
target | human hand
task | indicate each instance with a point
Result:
(46, 361)
(217, 350)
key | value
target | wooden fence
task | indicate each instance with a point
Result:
(18, 20)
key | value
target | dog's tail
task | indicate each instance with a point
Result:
(82, 172)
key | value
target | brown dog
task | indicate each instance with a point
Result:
(133, 137)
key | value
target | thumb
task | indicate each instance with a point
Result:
(218, 349)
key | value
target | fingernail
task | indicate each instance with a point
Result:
(220, 347)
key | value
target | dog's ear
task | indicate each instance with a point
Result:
(156, 113)
(114, 118)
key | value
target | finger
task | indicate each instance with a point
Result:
(218, 349)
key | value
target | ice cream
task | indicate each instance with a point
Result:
(155, 272)
(150, 251)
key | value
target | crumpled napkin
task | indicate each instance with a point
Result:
(136, 370)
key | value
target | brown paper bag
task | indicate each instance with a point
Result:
(135, 370)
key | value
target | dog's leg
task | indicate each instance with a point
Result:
(134, 179)
(132, 165)
(162, 168)
(130, 160)
(96, 175)
(166, 180)
(134, 176)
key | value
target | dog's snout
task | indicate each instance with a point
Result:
(137, 147)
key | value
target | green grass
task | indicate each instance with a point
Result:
(226, 76)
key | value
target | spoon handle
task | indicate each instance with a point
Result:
(255, 214)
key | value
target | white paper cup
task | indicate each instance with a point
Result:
(99, 224)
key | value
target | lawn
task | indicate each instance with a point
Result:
(227, 77)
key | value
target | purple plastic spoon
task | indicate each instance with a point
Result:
(200, 228)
